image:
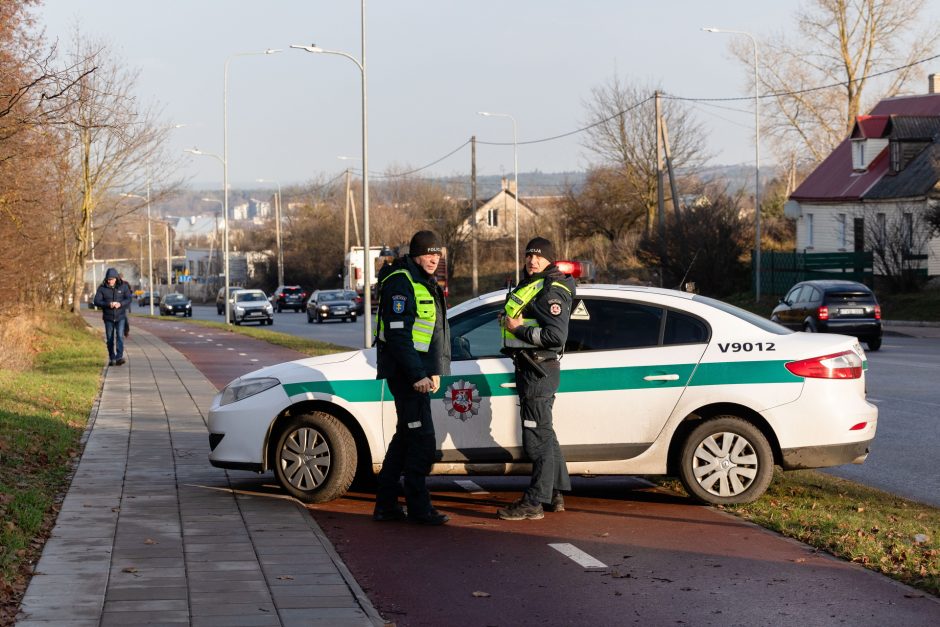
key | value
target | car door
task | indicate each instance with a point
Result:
(787, 314)
(624, 369)
(476, 413)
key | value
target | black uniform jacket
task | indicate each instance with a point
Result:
(552, 309)
(398, 311)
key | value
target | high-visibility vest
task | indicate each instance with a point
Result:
(516, 302)
(423, 328)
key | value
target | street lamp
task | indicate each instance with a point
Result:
(277, 230)
(149, 243)
(196, 151)
(367, 269)
(756, 156)
(515, 170)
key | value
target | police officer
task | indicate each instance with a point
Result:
(535, 327)
(413, 343)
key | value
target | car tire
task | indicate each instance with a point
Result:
(319, 320)
(873, 345)
(315, 458)
(309, 318)
(726, 460)
(809, 327)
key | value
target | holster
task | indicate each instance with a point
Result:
(530, 362)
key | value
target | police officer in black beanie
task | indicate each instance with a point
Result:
(535, 328)
(413, 344)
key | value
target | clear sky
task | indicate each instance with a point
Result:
(431, 65)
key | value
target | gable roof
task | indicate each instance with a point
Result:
(909, 118)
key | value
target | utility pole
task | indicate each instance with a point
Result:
(166, 226)
(346, 231)
(680, 226)
(473, 214)
(660, 193)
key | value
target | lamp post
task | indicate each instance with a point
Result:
(149, 243)
(515, 173)
(756, 156)
(221, 159)
(367, 269)
(213, 243)
(277, 230)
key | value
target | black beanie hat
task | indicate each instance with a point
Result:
(424, 243)
(541, 247)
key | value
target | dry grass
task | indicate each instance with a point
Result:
(17, 341)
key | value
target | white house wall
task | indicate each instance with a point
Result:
(826, 229)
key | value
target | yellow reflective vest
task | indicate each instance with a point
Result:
(423, 328)
(517, 301)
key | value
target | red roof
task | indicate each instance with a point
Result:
(834, 179)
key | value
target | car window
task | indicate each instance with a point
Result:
(475, 334)
(176, 298)
(747, 316)
(598, 324)
(804, 294)
(850, 296)
(684, 329)
(793, 294)
(249, 296)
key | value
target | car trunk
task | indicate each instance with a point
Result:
(850, 304)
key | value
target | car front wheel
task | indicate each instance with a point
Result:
(315, 459)
(874, 344)
(726, 460)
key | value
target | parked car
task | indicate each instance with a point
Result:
(251, 306)
(144, 299)
(653, 382)
(220, 298)
(831, 306)
(356, 297)
(176, 304)
(289, 297)
(331, 305)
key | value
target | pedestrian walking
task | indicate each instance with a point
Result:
(113, 297)
(535, 327)
(413, 348)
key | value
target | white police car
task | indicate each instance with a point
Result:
(653, 381)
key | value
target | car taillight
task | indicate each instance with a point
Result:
(822, 313)
(569, 267)
(844, 365)
(877, 312)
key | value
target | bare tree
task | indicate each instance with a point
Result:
(898, 240)
(839, 43)
(112, 141)
(623, 137)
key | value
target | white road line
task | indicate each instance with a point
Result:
(243, 354)
(254, 360)
(470, 486)
(578, 556)
(229, 349)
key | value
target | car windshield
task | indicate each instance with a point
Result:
(249, 296)
(747, 316)
(176, 298)
(331, 296)
(291, 290)
(350, 295)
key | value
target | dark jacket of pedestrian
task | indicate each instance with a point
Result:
(119, 292)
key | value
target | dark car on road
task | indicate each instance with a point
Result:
(289, 297)
(173, 304)
(251, 306)
(331, 305)
(832, 306)
(220, 298)
(145, 299)
(356, 297)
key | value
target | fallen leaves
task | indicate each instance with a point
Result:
(480, 594)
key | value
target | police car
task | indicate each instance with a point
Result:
(653, 382)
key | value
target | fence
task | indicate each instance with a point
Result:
(780, 270)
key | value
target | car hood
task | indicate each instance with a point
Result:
(349, 365)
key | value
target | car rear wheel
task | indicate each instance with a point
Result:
(808, 327)
(315, 458)
(873, 345)
(726, 460)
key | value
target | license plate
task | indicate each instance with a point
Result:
(851, 312)
(339, 311)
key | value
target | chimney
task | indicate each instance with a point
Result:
(503, 184)
(933, 84)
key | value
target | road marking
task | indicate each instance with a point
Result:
(254, 360)
(243, 354)
(229, 349)
(470, 486)
(578, 556)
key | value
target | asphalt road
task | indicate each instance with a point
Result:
(904, 382)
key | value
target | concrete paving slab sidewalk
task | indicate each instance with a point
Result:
(150, 533)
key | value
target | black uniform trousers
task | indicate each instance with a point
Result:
(411, 451)
(536, 398)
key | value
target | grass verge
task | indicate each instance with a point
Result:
(43, 411)
(885, 533)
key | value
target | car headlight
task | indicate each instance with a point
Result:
(324, 308)
(241, 389)
(188, 306)
(268, 309)
(239, 309)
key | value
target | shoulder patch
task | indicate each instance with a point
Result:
(398, 303)
(555, 309)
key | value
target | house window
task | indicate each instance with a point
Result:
(881, 229)
(809, 230)
(840, 224)
(895, 156)
(858, 234)
(907, 231)
(492, 217)
(858, 154)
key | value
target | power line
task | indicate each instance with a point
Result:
(798, 92)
